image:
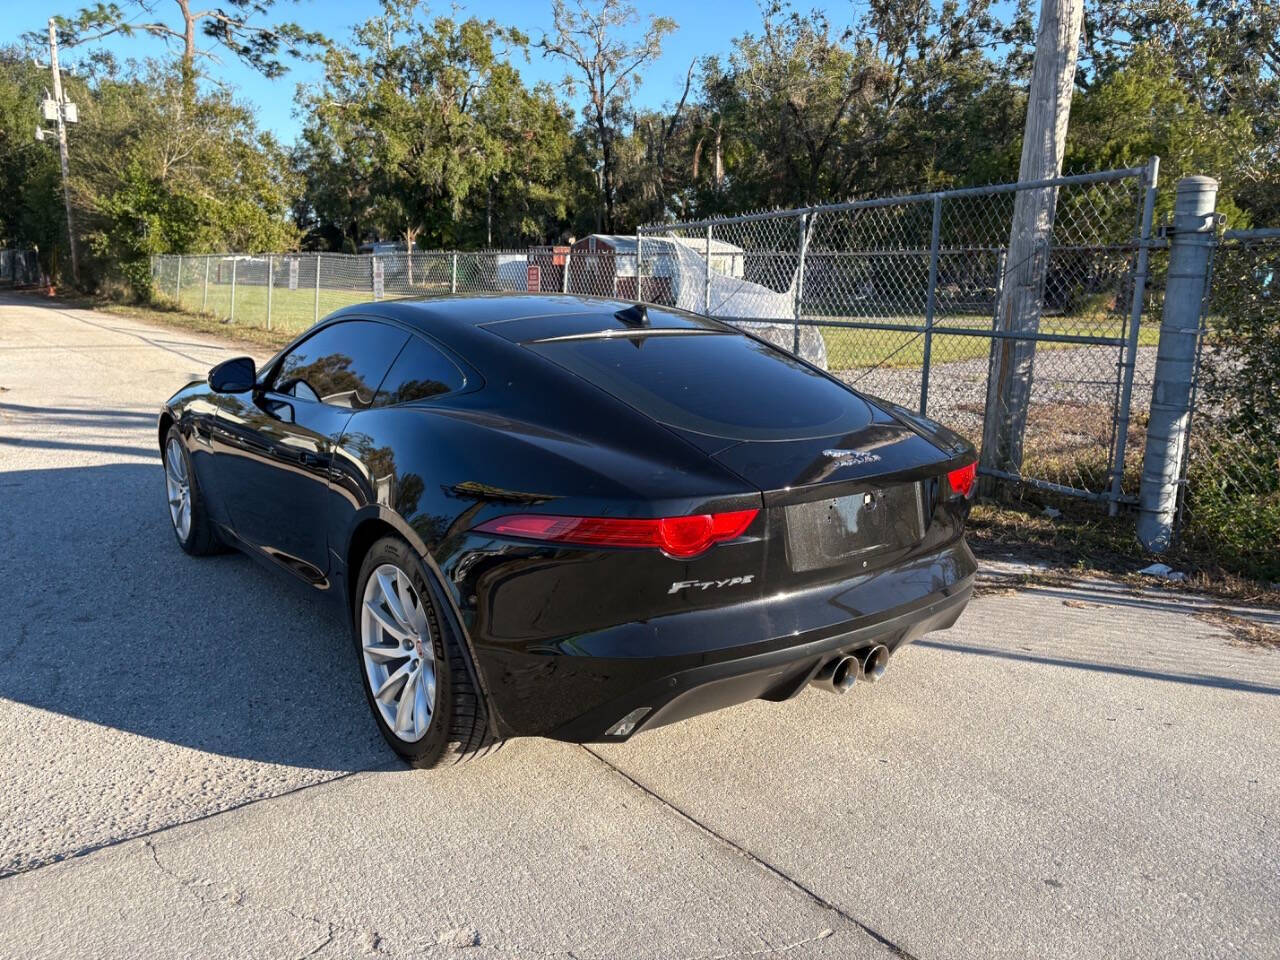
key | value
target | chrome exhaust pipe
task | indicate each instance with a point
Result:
(873, 662)
(838, 675)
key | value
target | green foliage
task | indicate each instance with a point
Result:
(32, 211)
(423, 129)
(425, 122)
(159, 169)
(1233, 482)
(1233, 504)
(607, 70)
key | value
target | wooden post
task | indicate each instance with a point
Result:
(1031, 235)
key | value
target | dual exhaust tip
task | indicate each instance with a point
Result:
(839, 674)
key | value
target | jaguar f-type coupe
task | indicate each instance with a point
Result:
(573, 517)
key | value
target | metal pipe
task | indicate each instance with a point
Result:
(1130, 354)
(799, 298)
(931, 304)
(1052, 487)
(1105, 176)
(706, 290)
(1191, 246)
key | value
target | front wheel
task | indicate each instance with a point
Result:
(191, 523)
(415, 678)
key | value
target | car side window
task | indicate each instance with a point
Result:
(421, 371)
(341, 365)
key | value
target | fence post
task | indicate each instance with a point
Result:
(706, 291)
(177, 287)
(799, 297)
(453, 274)
(204, 299)
(1130, 355)
(271, 263)
(564, 278)
(639, 266)
(931, 304)
(316, 318)
(1191, 244)
(234, 261)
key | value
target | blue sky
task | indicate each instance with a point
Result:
(704, 28)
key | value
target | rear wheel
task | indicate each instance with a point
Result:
(415, 678)
(191, 523)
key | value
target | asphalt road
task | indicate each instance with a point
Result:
(187, 767)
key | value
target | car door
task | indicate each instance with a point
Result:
(274, 445)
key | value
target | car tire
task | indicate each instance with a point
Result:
(188, 517)
(398, 632)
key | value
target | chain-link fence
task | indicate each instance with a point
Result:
(1231, 497)
(288, 292)
(19, 268)
(903, 298)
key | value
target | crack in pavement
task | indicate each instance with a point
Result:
(236, 898)
(756, 860)
(6, 873)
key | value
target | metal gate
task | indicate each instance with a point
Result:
(900, 297)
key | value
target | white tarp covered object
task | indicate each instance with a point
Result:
(734, 298)
(512, 271)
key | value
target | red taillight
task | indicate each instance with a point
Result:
(681, 537)
(963, 481)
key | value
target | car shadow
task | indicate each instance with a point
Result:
(105, 619)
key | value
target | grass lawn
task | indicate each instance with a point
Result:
(852, 348)
(292, 311)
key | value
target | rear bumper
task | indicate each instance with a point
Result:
(778, 675)
(580, 688)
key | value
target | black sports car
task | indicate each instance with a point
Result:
(573, 517)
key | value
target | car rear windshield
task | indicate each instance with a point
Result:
(723, 386)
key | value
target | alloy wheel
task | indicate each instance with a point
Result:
(178, 486)
(398, 652)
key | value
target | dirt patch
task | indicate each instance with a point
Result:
(1083, 540)
(1244, 632)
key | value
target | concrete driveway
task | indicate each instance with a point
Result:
(187, 767)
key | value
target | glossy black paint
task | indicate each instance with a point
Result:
(565, 640)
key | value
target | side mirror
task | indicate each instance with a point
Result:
(233, 376)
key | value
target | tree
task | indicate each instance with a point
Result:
(32, 214)
(1224, 57)
(607, 69)
(1141, 110)
(233, 28)
(439, 115)
(909, 96)
(157, 172)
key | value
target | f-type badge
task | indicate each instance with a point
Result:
(710, 584)
(851, 458)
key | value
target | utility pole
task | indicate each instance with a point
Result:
(1031, 235)
(62, 149)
